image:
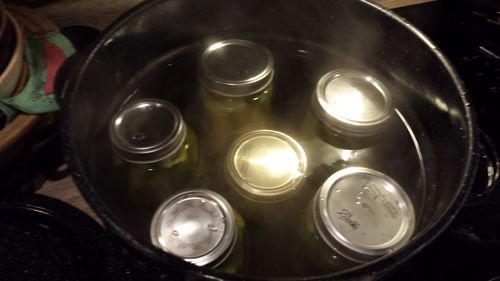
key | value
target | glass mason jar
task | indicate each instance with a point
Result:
(352, 109)
(357, 215)
(159, 151)
(236, 78)
(200, 227)
(266, 166)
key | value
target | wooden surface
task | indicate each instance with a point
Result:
(67, 191)
(96, 13)
(391, 4)
(99, 13)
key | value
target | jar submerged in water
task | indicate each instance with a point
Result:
(357, 215)
(266, 165)
(200, 227)
(158, 150)
(352, 107)
(236, 77)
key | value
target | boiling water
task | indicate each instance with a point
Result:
(271, 228)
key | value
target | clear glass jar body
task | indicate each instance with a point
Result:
(235, 261)
(150, 184)
(314, 255)
(230, 117)
(312, 127)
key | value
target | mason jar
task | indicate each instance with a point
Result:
(352, 109)
(200, 227)
(266, 166)
(357, 215)
(157, 150)
(236, 78)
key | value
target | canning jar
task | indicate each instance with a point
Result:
(236, 78)
(266, 166)
(158, 150)
(357, 215)
(352, 108)
(200, 227)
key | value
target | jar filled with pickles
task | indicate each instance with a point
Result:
(236, 78)
(350, 108)
(266, 166)
(200, 227)
(156, 148)
(350, 112)
(357, 215)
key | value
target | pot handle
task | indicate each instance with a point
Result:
(487, 175)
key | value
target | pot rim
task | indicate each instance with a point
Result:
(372, 269)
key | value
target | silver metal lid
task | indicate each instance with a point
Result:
(147, 131)
(352, 103)
(267, 165)
(197, 225)
(236, 68)
(363, 214)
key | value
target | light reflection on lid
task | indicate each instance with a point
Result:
(351, 102)
(267, 165)
(196, 225)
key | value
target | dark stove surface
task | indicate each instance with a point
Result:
(469, 35)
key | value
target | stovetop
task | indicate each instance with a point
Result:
(468, 32)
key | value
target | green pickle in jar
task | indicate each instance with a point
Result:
(200, 227)
(357, 215)
(157, 150)
(236, 78)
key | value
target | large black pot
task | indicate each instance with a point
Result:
(429, 94)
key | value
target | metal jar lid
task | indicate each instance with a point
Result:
(147, 131)
(267, 165)
(363, 214)
(236, 68)
(352, 103)
(197, 226)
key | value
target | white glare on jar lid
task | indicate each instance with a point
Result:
(365, 212)
(267, 163)
(196, 225)
(352, 102)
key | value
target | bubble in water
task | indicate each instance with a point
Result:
(337, 190)
(357, 202)
(175, 233)
(138, 136)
